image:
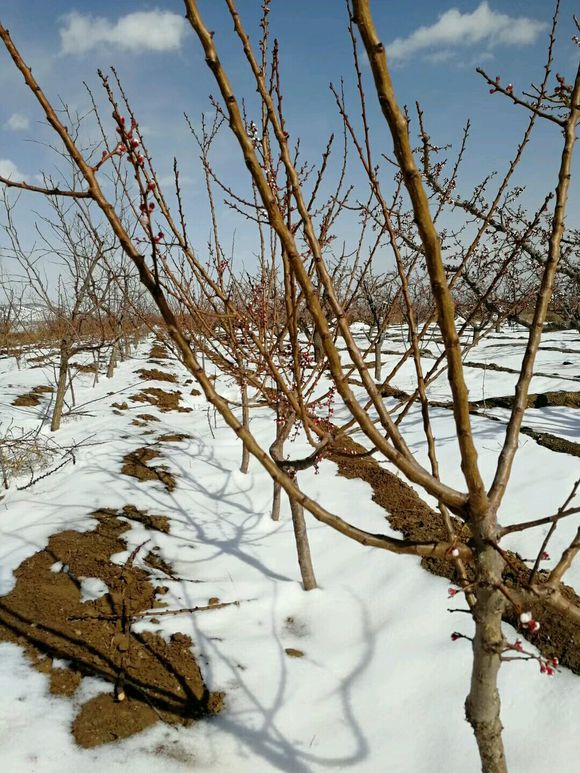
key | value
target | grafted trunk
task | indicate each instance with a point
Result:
(482, 707)
(302, 545)
(65, 349)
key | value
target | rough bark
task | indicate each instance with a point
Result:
(378, 358)
(112, 361)
(482, 707)
(61, 385)
(245, 463)
(302, 544)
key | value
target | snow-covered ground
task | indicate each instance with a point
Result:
(380, 687)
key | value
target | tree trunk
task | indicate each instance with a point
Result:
(277, 451)
(276, 501)
(378, 358)
(96, 364)
(244, 466)
(112, 361)
(61, 386)
(302, 546)
(72, 390)
(482, 707)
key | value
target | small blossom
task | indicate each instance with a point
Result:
(533, 626)
(525, 618)
(545, 556)
(151, 186)
(453, 592)
(455, 552)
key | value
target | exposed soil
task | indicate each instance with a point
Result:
(558, 636)
(559, 399)
(32, 398)
(558, 444)
(135, 465)
(85, 367)
(164, 401)
(505, 369)
(173, 437)
(153, 522)
(45, 616)
(158, 352)
(156, 375)
(143, 419)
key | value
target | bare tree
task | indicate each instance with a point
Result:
(299, 232)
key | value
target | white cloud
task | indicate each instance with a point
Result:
(18, 122)
(454, 28)
(10, 170)
(135, 32)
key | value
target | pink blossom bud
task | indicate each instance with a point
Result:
(151, 186)
(455, 635)
(453, 592)
(533, 626)
(518, 645)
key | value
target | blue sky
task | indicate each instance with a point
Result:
(433, 47)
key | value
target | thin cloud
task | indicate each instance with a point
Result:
(136, 32)
(18, 122)
(484, 26)
(9, 170)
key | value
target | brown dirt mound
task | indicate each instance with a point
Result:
(164, 401)
(44, 615)
(156, 375)
(34, 397)
(135, 465)
(558, 636)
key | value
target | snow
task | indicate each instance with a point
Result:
(380, 686)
